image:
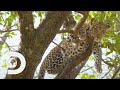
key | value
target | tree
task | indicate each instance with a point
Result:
(35, 41)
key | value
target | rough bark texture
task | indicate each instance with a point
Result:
(73, 74)
(34, 42)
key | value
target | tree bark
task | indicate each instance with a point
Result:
(73, 74)
(34, 42)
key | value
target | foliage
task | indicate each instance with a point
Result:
(87, 76)
(8, 25)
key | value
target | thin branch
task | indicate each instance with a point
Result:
(5, 43)
(9, 47)
(115, 73)
(2, 31)
(108, 63)
(86, 69)
(65, 31)
(106, 73)
(58, 46)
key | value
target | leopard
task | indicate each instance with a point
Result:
(60, 55)
(98, 31)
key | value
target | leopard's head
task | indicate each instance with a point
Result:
(99, 30)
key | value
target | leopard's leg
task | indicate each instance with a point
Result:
(97, 52)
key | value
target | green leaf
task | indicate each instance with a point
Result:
(110, 67)
(0, 47)
(108, 53)
(91, 58)
(40, 14)
(5, 65)
(13, 33)
(7, 34)
(87, 76)
(5, 46)
(77, 18)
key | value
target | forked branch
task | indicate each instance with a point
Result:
(79, 25)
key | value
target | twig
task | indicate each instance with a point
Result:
(65, 31)
(58, 46)
(108, 63)
(115, 73)
(86, 69)
(2, 31)
(106, 73)
(6, 43)
(9, 47)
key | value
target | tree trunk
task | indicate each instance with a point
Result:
(34, 42)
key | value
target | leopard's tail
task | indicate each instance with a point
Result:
(98, 65)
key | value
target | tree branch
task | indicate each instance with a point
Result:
(87, 69)
(48, 29)
(2, 31)
(58, 46)
(106, 73)
(80, 24)
(69, 22)
(66, 31)
(107, 63)
(115, 73)
(73, 74)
